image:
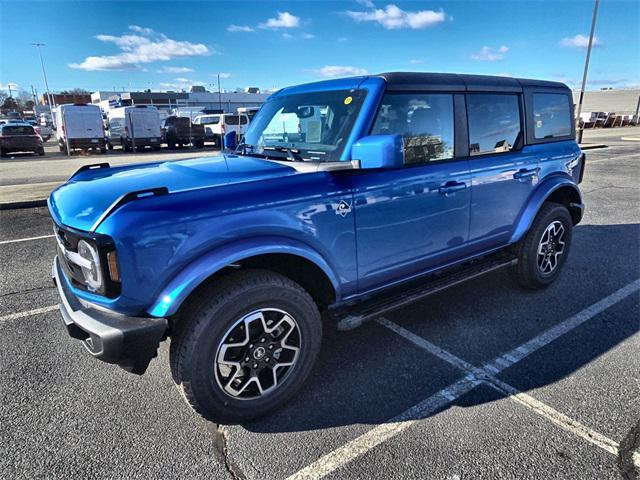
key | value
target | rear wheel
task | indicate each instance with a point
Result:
(3, 153)
(245, 347)
(40, 151)
(544, 250)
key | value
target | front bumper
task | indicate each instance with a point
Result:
(130, 342)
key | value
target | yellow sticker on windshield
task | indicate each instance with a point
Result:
(348, 100)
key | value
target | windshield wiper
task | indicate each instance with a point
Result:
(292, 155)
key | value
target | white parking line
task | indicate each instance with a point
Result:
(28, 313)
(25, 239)
(486, 374)
(374, 437)
(362, 444)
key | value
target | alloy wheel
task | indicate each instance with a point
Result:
(257, 353)
(551, 247)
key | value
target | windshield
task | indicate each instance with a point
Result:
(313, 125)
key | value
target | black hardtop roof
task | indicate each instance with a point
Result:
(462, 82)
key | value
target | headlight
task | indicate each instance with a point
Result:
(91, 270)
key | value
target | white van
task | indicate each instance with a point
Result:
(80, 126)
(217, 125)
(134, 127)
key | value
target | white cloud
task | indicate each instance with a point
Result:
(366, 3)
(175, 70)
(342, 39)
(180, 84)
(239, 28)
(416, 61)
(5, 87)
(146, 47)
(308, 36)
(141, 30)
(488, 54)
(224, 75)
(339, 71)
(284, 20)
(287, 36)
(579, 41)
(393, 17)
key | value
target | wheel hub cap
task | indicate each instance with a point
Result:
(257, 353)
(551, 247)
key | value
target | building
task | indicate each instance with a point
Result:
(622, 101)
(183, 101)
(62, 98)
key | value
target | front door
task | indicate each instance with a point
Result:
(415, 218)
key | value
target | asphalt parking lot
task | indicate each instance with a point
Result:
(480, 381)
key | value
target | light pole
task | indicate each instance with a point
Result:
(586, 69)
(46, 84)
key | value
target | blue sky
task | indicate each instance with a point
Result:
(171, 45)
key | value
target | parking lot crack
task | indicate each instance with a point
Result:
(221, 446)
(628, 448)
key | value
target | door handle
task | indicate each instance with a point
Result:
(451, 187)
(525, 173)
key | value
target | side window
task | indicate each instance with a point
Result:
(552, 115)
(425, 122)
(494, 122)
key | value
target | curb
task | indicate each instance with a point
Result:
(25, 204)
(630, 139)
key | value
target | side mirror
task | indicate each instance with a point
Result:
(379, 151)
(230, 140)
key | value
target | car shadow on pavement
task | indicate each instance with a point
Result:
(370, 375)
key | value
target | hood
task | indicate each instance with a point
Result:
(82, 200)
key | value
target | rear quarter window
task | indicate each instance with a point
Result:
(551, 115)
(233, 119)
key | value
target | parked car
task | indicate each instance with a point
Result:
(79, 126)
(218, 125)
(179, 131)
(134, 127)
(44, 131)
(237, 257)
(19, 137)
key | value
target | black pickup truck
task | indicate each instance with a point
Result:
(179, 131)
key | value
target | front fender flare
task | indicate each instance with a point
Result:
(535, 201)
(179, 288)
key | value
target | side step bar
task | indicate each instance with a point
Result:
(351, 316)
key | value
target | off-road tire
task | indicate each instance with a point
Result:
(527, 272)
(202, 324)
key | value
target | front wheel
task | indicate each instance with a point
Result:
(245, 346)
(544, 250)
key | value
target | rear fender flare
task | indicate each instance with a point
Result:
(537, 199)
(180, 287)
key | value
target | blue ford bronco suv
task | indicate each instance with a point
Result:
(346, 198)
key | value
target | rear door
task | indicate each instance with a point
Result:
(503, 173)
(146, 123)
(414, 218)
(81, 122)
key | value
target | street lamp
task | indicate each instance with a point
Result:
(586, 69)
(46, 84)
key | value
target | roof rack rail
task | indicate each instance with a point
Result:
(93, 166)
(126, 198)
